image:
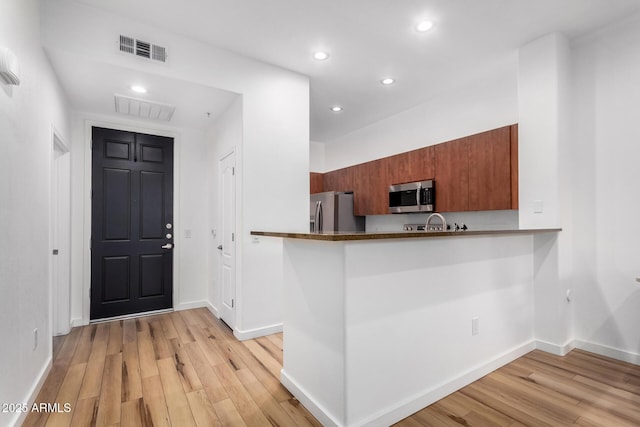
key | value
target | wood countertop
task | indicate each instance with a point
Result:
(382, 235)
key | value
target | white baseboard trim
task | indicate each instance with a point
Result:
(614, 353)
(190, 305)
(78, 322)
(308, 402)
(412, 404)
(33, 393)
(258, 332)
(558, 350)
(213, 310)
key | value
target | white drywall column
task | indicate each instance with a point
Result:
(543, 70)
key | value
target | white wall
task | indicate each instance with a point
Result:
(545, 170)
(275, 137)
(316, 156)
(605, 148)
(488, 103)
(27, 114)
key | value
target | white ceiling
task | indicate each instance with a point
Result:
(367, 40)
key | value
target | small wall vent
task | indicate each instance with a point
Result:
(143, 49)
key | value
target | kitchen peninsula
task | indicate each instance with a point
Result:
(380, 325)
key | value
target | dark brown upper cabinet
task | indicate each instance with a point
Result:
(477, 172)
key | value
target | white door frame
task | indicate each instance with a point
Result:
(60, 239)
(88, 124)
(228, 312)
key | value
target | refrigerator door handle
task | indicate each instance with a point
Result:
(315, 218)
(319, 218)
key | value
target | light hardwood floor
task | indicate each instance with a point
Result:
(186, 368)
(178, 369)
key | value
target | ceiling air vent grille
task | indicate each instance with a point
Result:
(143, 49)
(143, 108)
(127, 44)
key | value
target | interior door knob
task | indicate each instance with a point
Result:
(220, 247)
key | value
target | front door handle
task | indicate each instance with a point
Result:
(220, 247)
(167, 246)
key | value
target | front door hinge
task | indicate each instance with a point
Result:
(233, 237)
(233, 302)
(233, 170)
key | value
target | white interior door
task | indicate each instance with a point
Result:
(61, 238)
(228, 244)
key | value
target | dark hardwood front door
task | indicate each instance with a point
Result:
(131, 223)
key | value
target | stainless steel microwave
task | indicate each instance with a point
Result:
(412, 197)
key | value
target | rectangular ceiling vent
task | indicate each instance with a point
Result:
(143, 108)
(143, 49)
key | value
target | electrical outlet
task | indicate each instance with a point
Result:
(537, 206)
(35, 338)
(475, 326)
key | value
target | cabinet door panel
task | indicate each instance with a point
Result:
(315, 183)
(490, 170)
(452, 176)
(339, 180)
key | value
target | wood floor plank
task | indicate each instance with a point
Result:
(67, 348)
(131, 377)
(146, 352)
(270, 348)
(184, 333)
(135, 414)
(92, 380)
(210, 346)
(160, 344)
(115, 337)
(230, 349)
(110, 401)
(298, 413)
(168, 327)
(210, 381)
(276, 415)
(179, 410)
(202, 409)
(272, 365)
(155, 401)
(68, 394)
(85, 412)
(129, 331)
(277, 340)
(590, 396)
(228, 414)
(81, 354)
(184, 367)
(473, 412)
(247, 408)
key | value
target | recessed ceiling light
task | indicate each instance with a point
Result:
(387, 81)
(424, 26)
(139, 89)
(336, 108)
(320, 55)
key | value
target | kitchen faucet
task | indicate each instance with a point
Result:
(442, 227)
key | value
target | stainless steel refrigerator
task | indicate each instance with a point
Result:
(333, 211)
